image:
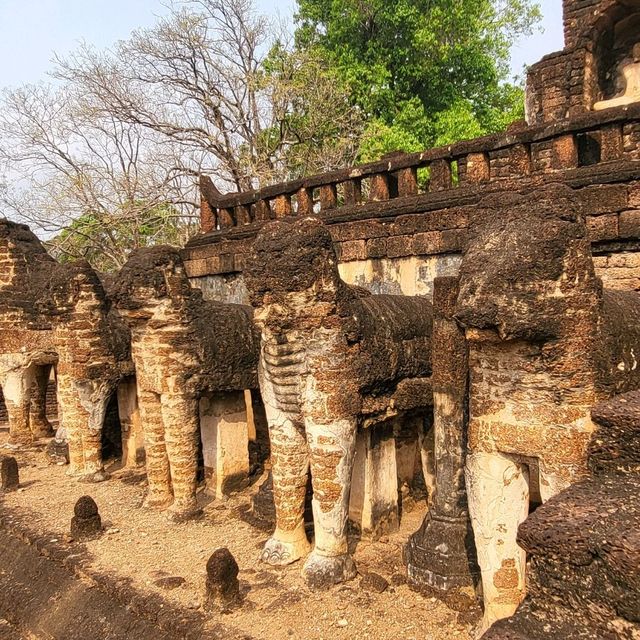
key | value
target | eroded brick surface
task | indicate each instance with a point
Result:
(54, 314)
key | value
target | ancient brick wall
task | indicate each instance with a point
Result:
(581, 15)
(556, 86)
(599, 36)
(399, 223)
(404, 254)
(619, 270)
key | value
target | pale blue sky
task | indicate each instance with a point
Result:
(31, 30)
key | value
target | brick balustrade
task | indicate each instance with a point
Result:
(593, 139)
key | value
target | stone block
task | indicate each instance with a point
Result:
(427, 243)
(600, 199)
(625, 260)
(519, 160)
(9, 476)
(634, 194)
(453, 240)
(407, 181)
(477, 168)
(630, 224)
(227, 262)
(282, 206)
(358, 230)
(379, 187)
(225, 442)
(611, 142)
(602, 227)
(399, 246)
(129, 414)
(376, 248)
(440, 175)
(328, 197)
(352, 192)
(454, 218)
(565, 153)
(304, 199)
(374, 484)
(203, 266)
(352, 250)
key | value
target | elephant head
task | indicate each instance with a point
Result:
(292, 274)
(152, 279)
(527, 263)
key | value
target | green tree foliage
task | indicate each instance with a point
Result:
(105, 240)
(424, 72)
(315, 127)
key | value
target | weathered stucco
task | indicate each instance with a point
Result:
(546, 344)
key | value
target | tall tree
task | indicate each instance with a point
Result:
(214, 80)
(424, 72)
(105, 159)
(94, 186)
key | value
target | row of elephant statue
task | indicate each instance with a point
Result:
(502, 368)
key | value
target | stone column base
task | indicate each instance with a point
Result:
(441, 557)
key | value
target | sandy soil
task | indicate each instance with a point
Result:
(144, 546)
(7, 632)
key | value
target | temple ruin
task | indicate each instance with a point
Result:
(58, 315)
(442, 346)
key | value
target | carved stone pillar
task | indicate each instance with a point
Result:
(129, 414)
(225, 442)
(440, 556)
(374, 483)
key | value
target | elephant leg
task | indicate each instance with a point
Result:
(332, 448)
(290, 469)
(160, 492)
(498, 494)
(72, 417)
(180, 416)
(40, 425)
(17, 395)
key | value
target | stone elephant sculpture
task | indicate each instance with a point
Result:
(93, 349)
(335, 359)
(26, 339)
(194, 358)
(546, 343)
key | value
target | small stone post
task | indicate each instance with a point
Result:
(440, 556)
(223, 588)
(86, 523)
(9, 477)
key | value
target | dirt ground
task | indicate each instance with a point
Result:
(7, 632)
(144, 546)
